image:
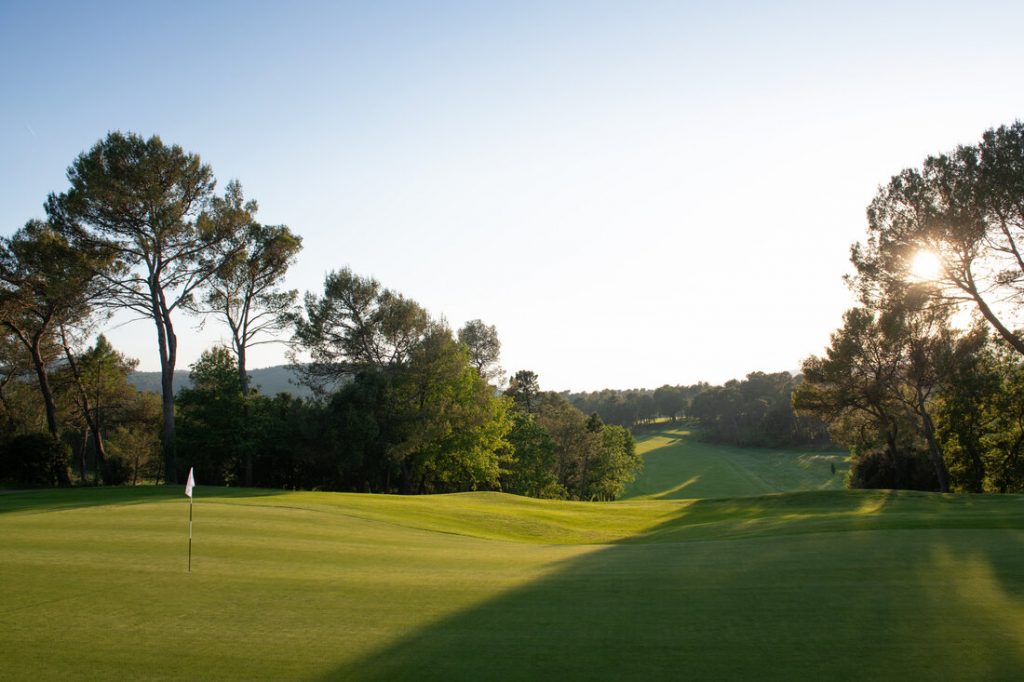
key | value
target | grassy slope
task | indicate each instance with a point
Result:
(678, 466)
(816, 585)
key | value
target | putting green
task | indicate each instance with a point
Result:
(816, 585)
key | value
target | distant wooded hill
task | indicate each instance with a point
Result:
(269, 380)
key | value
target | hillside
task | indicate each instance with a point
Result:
(486, 586)
(269, 380)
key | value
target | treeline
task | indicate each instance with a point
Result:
(402, 403)
(924, 399)
(756, 411)
(637, 406)
(108, 432)
(405, 407)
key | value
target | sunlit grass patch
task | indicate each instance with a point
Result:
(678, 465)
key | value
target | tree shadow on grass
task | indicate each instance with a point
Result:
(58, 499)
(859, 604)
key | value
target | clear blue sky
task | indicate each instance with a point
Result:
(633, 193)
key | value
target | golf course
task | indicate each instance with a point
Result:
(512, 342)
(707, 570)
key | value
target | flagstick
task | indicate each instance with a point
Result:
(189, 485)
(190, 534)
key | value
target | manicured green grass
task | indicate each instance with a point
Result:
(678, 466)
(814, 585)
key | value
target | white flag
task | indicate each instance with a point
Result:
(190, 483)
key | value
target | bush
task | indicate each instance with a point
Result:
(116, 470)
(35, 459)
(876, 469)
(138, 449)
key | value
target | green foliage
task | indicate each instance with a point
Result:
(898, 375)
(410, 412)
(136, 448)
(879, 382)
(442, 408)
(97, 397)
(117, 470)
(362, 428)
(244, 290)
(879, 469)
(34, 459)
(755, 412)
(48, 285)
(981, 420)
(430, 425)
(591, 460)
(900, 378)
(964, 411)
(481, 340)
(624, 408)
(105, 372)
(152, 209)
(638, 407)
(524, 389)
(1004, 442)
(574, 444)
(21, 407)
(530, 465)
(356, 324)
(615, 464)
(213, 427)
(670, 401)
(292, 445)
(427, 423)
(965, 207)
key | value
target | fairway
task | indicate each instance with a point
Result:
(285, 585)
(678, 466)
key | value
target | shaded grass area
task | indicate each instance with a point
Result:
(815, 585)
(56, 499)
(888, 605)
(678, 466)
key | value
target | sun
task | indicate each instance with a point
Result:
(925, 265)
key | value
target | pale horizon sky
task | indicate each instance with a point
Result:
(634, 194)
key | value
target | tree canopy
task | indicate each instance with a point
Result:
(903, 382)
(356, 324)
(244, 291)
(48, 287)
(966, 209)
(152, 207)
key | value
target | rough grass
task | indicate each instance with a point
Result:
(678, 466)
(814, 585)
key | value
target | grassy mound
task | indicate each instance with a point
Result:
(816, 585)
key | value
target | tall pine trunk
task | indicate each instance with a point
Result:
(81, 462)
(167, 432)
(243, 382)
(44, 387)
(168, 344)
(63, 477)
(934, 451)
(243, 377)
